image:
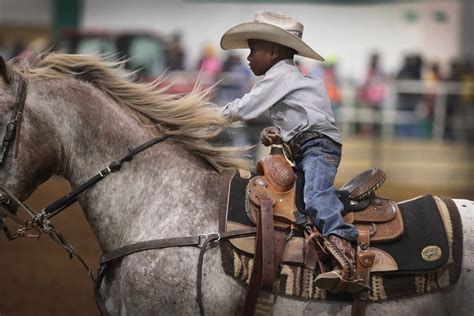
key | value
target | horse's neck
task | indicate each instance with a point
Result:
(153, 193)
(98, 131)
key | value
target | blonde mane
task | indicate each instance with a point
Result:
(189, 118)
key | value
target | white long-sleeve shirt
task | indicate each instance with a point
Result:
(293, 102)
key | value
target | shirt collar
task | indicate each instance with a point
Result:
(281, 65)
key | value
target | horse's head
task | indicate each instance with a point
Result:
(24, 136)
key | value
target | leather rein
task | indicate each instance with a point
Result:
(40, 222)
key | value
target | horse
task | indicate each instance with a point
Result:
(81, 112)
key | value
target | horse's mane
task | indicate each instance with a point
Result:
(189, 118)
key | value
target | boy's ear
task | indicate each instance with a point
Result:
(274, 52)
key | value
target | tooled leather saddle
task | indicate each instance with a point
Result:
(274, 203)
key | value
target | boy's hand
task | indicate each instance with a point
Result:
(270, 135)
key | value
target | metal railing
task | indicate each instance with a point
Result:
(390, 115)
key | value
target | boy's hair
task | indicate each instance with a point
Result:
(284, 52)
(287, 52)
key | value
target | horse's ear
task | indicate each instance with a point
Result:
(4, 71)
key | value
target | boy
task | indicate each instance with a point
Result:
(299, 108)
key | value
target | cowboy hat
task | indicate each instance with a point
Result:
(272, 27)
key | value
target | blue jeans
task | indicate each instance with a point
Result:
(319, 159)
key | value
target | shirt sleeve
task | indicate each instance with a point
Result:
(264, 94)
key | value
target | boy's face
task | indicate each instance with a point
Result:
(261, 57)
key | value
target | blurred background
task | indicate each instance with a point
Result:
(399, 74)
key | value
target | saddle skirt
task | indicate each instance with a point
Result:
(409, 259)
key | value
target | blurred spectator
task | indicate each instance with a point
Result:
(407, 100)
(372, 93)
(467, 79)
(4, 50)
(175, 55)
(317, 70)
(432, 79)
(452, 99)
(18, 47)
(209, 64)
(301, 67)
(234, 81)
(460, 102)
(467, 101)
(331, 81)
(38, 44)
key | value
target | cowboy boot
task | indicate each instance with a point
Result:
(343, 278)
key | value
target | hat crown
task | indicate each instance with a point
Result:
(285, 22)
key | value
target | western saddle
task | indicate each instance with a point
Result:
(274, 196)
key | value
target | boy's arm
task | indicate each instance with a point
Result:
(262, 97)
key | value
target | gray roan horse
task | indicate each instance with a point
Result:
(81, 113)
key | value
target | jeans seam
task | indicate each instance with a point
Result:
(330, 158)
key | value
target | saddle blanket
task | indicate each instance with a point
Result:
(417, 272)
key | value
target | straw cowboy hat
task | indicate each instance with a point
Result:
(272, 27)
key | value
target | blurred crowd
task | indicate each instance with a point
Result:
(423, 97)
(422, 93)
(21, 48)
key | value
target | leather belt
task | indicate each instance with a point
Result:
(299, 139)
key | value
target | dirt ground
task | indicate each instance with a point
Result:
(38, 278)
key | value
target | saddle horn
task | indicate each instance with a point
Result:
(4, 70)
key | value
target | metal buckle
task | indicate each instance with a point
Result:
(204, 237)
(24, 231)
(363, 246)
(105, 172)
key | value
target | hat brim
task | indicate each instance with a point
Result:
(238, 36)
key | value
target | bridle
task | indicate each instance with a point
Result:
(8, 202)
(12, 132)
(40, 222)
